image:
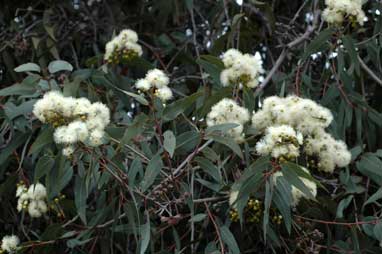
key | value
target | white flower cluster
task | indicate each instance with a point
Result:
(9, 243)
(157, 81)
(32, 199)
(302, 114)
(296, 193)
(233, 195)
(228, 111)
(280, 141)
(332, 152)
(338, 10)
(124, 46)
(241, 69)
(75, 120)
(305, 117)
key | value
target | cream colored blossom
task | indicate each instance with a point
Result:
(73, 118)
(228, 111)
(241, 69)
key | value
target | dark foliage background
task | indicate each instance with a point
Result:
(185, 38)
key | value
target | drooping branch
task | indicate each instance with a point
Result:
(305, 36)
(369, 71)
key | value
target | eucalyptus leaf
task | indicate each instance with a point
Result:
(28, 67)
(169, 142)
(59, 65)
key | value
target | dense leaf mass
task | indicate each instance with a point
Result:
(191, 126)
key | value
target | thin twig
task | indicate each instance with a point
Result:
(210, 199)
(131, 148)
(191, 156)
(339, 223)
(310, 29)
(260, 14)
(195, 42)
(369, 71)
(216, 228)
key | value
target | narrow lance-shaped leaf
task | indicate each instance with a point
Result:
(282, 199)
(377, 195)
(342, 206)
(59, 65)
(80, 197)
(28, 67)
(169, 142)
(293, 178)
(152, 171)
(229, 239)
(229, 142)
(43, 166)
(145, 235)
(267, 206)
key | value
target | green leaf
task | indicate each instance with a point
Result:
(351, 48)
(229, 142)
(267, 206)
(28, 67)
(331, 94)
(59, 65)
(18, 89)
(318, 44)
(17, 141)
(46, 22)
(103, 80)
(198, 217)
(343, 205)
(64, 179)
(304, 174)
(135, 169)
(377, 195)
(213, 186)
(72, 243)
(189, 4)
(251, 184)
(370, 165)
(293, 178)
(378, 231)
(176, 240)
(152, 171)
(145, 235)
(80, 197)
(229, 239)
(252, 176)
(282, 199)
(43, 166)
(176, 108)
(209, 167)
(223, 128)
(213, 66)
(355, 239)
(45, 138)
(12, 111)
(52, 232)
(71, 89)
(82, 74)
(140, 63)
(187, 141)
(135, 129)
(369, 228)
(355, 152)
(208, 103)
(169, 142)
(138, 97)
